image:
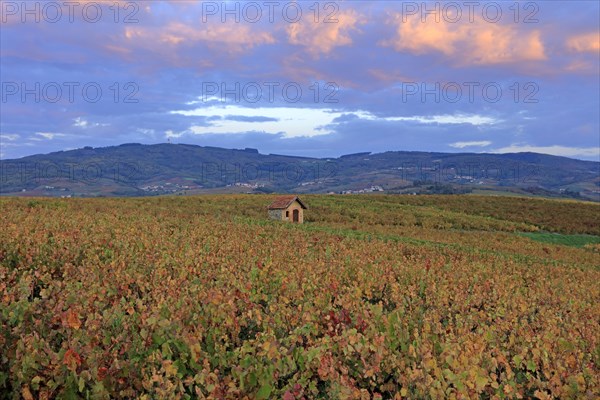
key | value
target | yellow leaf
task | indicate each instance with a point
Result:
(169, 368)
(26, 393)
(542, 395)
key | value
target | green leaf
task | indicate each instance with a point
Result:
(517, 360)
(35, 382)
(311, 354)
(481, 382)
(264, 392)
(252, 379)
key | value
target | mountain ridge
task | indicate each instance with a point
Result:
(134, 169)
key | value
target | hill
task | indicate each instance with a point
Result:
(135, 170)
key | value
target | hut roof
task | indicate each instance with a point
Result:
(283, 202)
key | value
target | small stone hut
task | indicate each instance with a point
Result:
(287, 208)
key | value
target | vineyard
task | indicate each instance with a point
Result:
(373, 297)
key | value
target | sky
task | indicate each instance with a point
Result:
(308, 78)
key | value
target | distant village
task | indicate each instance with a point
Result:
(360, 191)
(167, 187)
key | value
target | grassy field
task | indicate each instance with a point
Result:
(374, 297)
(567, 240)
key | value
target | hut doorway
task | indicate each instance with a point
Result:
(296, 216)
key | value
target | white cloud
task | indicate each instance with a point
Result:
(293, 122)
(207, 99)
(299, 122)
(80, 122)
(462, 145)
(170, 134)
(9, 136)
(148, 132)
(473, 119)
(49, 135)
(555, 150)
(83, 123)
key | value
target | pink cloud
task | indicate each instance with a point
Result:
(223, 37)
(588, 42)
(476, 43)
(322, 37)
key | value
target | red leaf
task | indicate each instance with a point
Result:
(102, 372)
(288, 396)
(72, 360)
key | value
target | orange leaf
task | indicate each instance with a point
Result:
(72, 360)
(72, 320)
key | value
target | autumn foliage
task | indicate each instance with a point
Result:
(374, 297)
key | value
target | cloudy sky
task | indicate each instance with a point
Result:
(305, 78)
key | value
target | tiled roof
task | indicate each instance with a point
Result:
(283, 202)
